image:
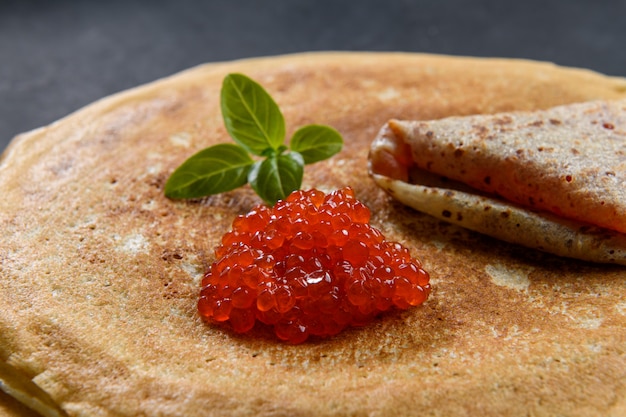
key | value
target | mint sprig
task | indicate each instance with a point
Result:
(259, 157)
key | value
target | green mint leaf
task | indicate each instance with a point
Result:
(214, 170)
(255, 123)
(278, 176)
(251, 116)
(316, 143)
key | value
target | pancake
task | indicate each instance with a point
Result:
(100, 273)
(10, 407)
(549, 179)
(569, 160)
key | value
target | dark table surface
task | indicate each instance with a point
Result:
(57, 56)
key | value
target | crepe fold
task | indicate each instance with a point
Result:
(553, 180)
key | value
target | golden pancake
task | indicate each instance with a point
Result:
(100, 273)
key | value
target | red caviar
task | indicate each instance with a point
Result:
(311, 265)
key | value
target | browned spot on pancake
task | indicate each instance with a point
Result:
(544, 149)
(608, 126)
(446, 213)
(171, 254)
(555, 122)
(504, 120)
(459, 153)
(481, 130)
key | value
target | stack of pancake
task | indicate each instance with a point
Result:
(100, 273)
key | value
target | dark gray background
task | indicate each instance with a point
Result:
(57, 56)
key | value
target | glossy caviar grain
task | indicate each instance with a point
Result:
(312, 265)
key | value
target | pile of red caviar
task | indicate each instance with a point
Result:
(311, 265)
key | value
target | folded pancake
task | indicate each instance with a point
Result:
(10, 407)
(100, 273)
(551, 179)
(22, 389)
